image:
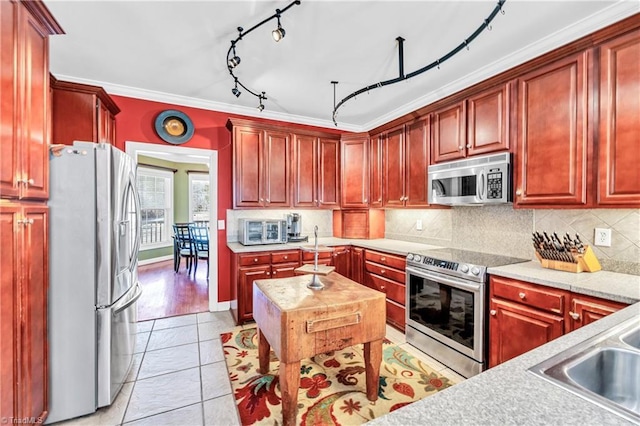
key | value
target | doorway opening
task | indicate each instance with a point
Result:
(181, 186)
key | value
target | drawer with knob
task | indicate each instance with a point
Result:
(285, 256)
(254, 259)
(386, 259)
(394, 290)
(544, 298)
(384, 271)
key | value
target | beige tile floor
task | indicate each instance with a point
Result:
(179, 376)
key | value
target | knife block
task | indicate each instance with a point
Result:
(586, 262)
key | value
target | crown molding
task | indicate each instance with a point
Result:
(168, 98)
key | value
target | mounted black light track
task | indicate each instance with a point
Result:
(402, 76)
(233, 60)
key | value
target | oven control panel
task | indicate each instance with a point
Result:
(434, 264)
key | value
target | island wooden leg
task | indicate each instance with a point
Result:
(263, 353)
(289, 384)
(372, 361)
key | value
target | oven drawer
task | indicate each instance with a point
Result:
(254, 259)
(285, 256)
(385, 259)
(383, 271)
(396, 315)
(539, 297)
(394, 291)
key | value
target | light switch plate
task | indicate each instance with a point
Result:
(419, 225)
(221, 224)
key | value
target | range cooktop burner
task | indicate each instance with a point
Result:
(462, 263)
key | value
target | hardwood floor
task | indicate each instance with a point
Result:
(166, 293)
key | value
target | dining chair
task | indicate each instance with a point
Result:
(182, 246)
(200, 241)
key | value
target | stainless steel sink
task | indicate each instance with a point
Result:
(604, 370)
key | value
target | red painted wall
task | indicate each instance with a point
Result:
(135, 123)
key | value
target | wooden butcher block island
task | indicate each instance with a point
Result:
(298, 323)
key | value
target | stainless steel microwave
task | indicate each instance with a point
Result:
(262, 231)
(473, 181)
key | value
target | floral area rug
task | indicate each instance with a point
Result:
(332, 385)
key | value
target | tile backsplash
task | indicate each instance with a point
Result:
(507, 231)
(492, 229)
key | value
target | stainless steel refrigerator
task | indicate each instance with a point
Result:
(93, 283)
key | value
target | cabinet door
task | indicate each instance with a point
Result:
(449, 138)
(9, 275)
(375, 180)
(34, 385)
(357, 264)
(34, 98)
(248, 172)
(246, 277)
(393, 163)
(341, 257)
(329, 173)
(106, 125)
(9, 168)
(416, 162)
(585, 310)
(619, 153)
(355, 172)
(552, 136)
(488, 121)
(277, 166)
(305, 174)
(515, 329)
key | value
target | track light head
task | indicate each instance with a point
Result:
(260, 107)
(234, 62)
(236, 92)
(278, 33)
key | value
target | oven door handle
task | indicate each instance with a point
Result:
(463, 285)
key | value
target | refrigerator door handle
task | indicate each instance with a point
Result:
(116, 308)
(136, 200)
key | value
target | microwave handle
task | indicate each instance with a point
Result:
(481, 185)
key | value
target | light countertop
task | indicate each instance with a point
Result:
(390, 246)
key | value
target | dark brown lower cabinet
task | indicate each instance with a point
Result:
(24, 282)
(523, 316)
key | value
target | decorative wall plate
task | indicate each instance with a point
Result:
(174, 126)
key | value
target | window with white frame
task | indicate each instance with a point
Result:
(155, 188)
(199, 196)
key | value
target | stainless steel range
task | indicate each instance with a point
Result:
(446, 305)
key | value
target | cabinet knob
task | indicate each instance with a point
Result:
(382, 271)
(286, 257)
(460, 148)
(519, 192)
(380, 200)
(521, 295)
(274, 272)
(382, 259)
(255, 260)
(268, 200)
(365, 200)
(493, 312)
(468, 145)
(382, 288)
(574, 315)
(261, 200)
(268, 273)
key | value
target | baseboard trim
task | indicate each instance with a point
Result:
(219, 306)
(154, 260)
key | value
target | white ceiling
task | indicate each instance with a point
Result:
(175, 51)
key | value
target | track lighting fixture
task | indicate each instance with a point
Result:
(233, 60)
(261, 97)
(235, 91)
(278, 33)
(402, 76)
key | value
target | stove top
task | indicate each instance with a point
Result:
(462, 263)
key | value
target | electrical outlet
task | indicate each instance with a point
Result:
(220, 224)
(602, 237)
(419, 225)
